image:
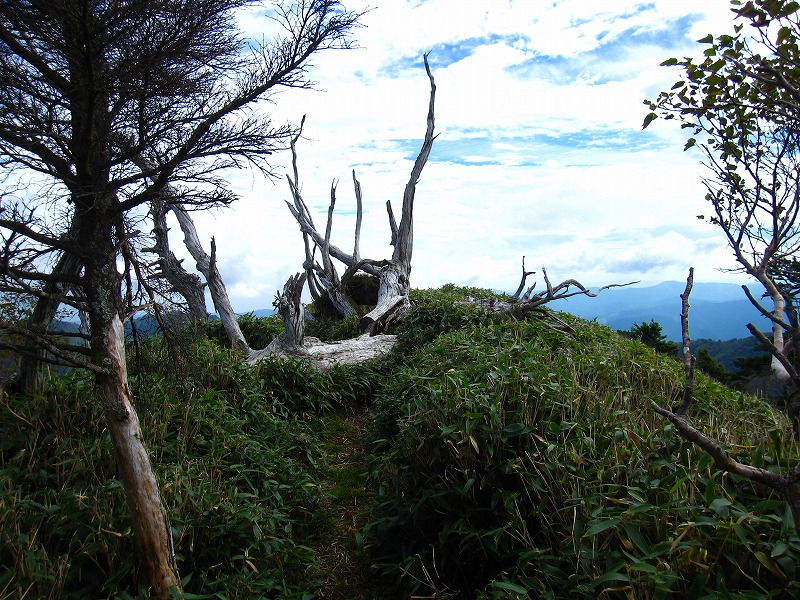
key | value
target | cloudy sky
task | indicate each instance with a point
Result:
(540, 150)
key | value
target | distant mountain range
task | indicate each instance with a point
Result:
(718, 311)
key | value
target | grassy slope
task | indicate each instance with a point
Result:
(516, 461)
(506, 460)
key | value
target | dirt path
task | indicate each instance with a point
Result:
(345, 569)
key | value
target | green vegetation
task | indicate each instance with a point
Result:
(487, 458)
(651, 335)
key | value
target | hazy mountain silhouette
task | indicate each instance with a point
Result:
(718, 311)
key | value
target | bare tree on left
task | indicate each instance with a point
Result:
(89, 89)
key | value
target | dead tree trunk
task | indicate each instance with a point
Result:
(393, 274)
(394, 286)
(322, 356)
(188, 285)
(207, 265)
(322, 278)
(786, 484)
(395, 277)
(30, 376)
(290, 307)
(525, 302)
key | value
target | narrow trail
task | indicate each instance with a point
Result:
(340, 558)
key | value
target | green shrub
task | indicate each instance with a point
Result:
(258, 331)
(513, 461)
(332, 330)
(437, 311)
(237, 464)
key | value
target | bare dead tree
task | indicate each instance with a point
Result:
(525, 303)
(290, 307)
(207, 265)
(322, 276)
(186, 284)
(786, 484)
(393, 274)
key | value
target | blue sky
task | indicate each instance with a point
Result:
(540, 150)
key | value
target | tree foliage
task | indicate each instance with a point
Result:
(652, 335)
(741, 104)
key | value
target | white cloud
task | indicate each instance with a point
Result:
(541, 153)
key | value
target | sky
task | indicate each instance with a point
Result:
(541, 153)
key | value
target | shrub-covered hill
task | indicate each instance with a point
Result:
(506, 460)
(516, 461)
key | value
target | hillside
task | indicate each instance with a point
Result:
(728, 351)
(487, 458)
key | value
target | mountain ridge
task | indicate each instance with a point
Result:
(718, 311)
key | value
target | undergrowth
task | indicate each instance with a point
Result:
(506, 460)
(236, 457)
(512, 461)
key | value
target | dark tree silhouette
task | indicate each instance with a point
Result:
(89, 89)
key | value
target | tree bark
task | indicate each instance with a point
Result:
(393, 302)
(152, 532)
(207, 265)
(99, 239)
(291, 308)
(188, 285)
(325, 356)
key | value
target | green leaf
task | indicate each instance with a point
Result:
(511, 587)
(636, 537)
(771, 565)
(709, 39)
(515, 429)
(612, 575)
(468, 485)
(602, 526)
(649, 119)
(720, 506)
(778, 549)
(689, 143)
(670, 62)
(789, 9)
(643, 567)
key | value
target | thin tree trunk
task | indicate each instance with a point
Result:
(151, 528)
(208, 267)
(101, 287)
(779, 312)
(30, 375)
(188, 285)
